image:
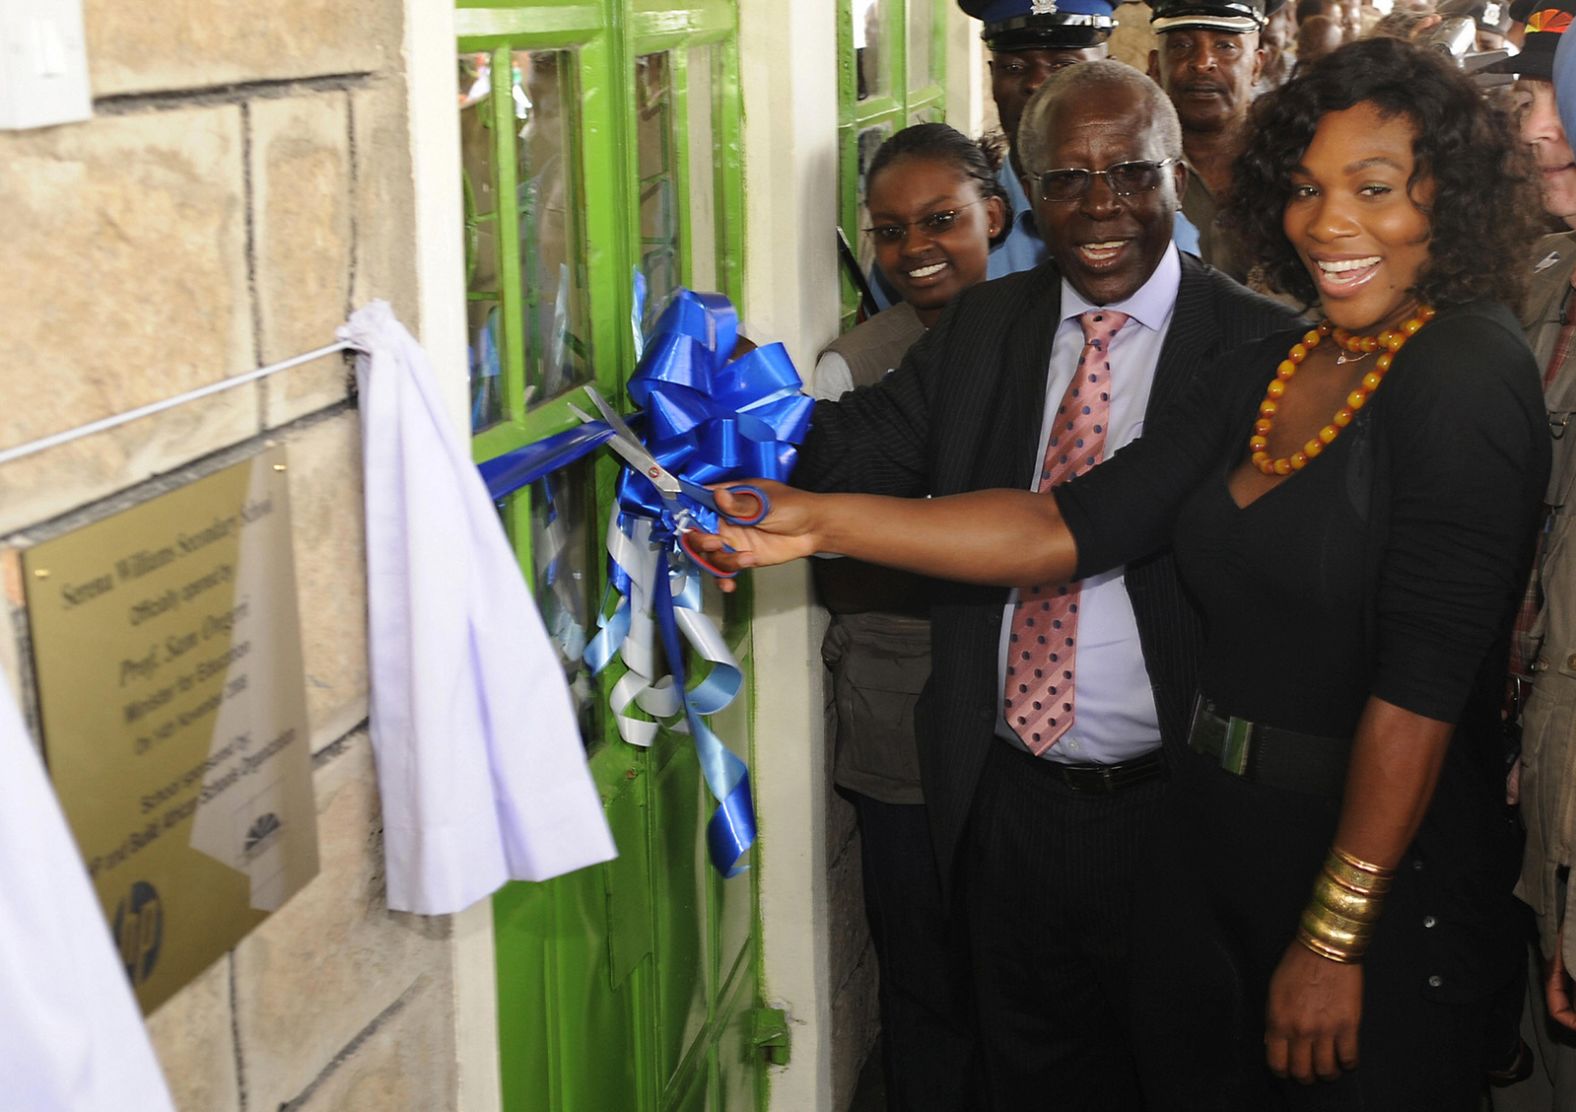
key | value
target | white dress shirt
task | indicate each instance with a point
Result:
(1114, 716)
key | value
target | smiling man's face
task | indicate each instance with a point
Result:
(1538, 118)
(1105, 244)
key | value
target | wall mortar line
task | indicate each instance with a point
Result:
(123, 104)
(249, 205)
(235, 1034)
(355, 202)
(348, 1051)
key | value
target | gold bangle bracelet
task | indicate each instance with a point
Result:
(1335, 931)
(1364, 907)
(1378, 872)
(1360, 877)
(1324, 950)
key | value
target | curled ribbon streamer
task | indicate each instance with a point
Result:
(707, 420)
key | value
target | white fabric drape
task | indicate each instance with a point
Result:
(71, 1035)
(480, 764)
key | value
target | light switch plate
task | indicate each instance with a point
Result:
(43, 64)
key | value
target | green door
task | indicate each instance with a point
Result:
(600, 137)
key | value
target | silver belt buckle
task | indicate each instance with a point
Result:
(1236, 745)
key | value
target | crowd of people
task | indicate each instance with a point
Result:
(1204, 622)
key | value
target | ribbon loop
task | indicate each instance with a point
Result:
(706, 420)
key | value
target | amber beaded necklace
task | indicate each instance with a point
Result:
(1392, 340)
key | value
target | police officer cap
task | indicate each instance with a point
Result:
(1042, 24)
(1240, 16)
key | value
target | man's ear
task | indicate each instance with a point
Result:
(1259, 54)
(1154, 67)
(1179, 175)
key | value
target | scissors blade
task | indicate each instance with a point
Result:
(611, 416)
(628, 445)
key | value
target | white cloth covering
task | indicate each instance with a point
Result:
(480, 765)
(71, 1035)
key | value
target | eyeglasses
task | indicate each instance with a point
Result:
(937, 223)
(1124, 179)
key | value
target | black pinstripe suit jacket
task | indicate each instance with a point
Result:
(963, 413)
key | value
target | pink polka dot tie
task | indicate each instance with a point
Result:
(1043, 645)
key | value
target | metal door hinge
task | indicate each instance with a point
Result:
(769, 1032)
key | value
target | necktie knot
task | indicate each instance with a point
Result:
(1099, 325)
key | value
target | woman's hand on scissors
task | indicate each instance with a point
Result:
(786, 533)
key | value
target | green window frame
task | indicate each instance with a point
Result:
(906, 84)
(634, 984)
(605, 39)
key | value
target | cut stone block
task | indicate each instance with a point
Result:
(138, 47)
(856, 1022)
(847, 926)
(301, 196)
(385, 201)
(406, 1062)
(194, 1039)
(125, 283)
(334, 958)
(331, 571)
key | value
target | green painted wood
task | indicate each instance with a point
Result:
(891, 109)
(618, 986)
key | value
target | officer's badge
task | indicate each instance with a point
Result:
(1042, 7)
(1491, 14)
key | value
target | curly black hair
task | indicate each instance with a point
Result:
(1485, 209)
(943, 143)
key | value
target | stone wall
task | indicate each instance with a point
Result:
(244, 183)
(856, 1016)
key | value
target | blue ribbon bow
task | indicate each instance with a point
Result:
(707, 420)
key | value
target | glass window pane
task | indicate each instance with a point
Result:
(701, 193)
(563, 522)
(921, 23)
(871, 67)
(478, 160)
(552, 244)
(931, 115)
(486, 363)
(870, 140)
(659, 229)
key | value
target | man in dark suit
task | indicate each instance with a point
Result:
(1038, 827)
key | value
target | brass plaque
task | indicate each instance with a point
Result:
(168, 656)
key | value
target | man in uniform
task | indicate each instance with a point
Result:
(1208, 61)
(1028, 41)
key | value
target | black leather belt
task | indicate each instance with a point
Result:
(1269, 755)
(1102, 778)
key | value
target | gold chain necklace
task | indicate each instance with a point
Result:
(1391, 340)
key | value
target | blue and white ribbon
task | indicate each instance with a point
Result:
(708, 420)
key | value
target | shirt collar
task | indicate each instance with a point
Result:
(1150, 306)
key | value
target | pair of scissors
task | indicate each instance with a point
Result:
(669, 486)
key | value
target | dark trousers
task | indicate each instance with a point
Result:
(927, 1030)
(1231, 872)
(1046, 874)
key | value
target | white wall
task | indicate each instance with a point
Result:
(440, 294)
(791, 292)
